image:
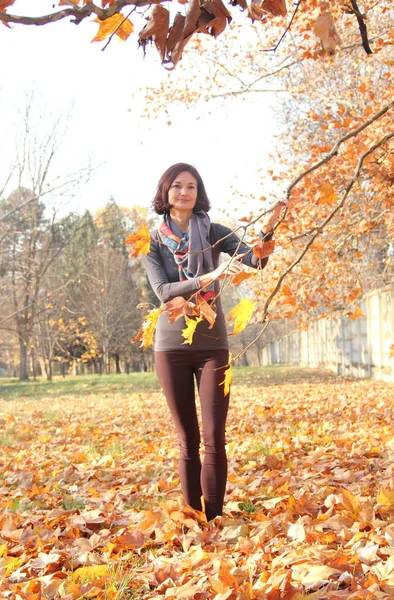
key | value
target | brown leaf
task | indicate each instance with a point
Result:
(324, 28)
(277, 8)
(157, 29)
(206, 311)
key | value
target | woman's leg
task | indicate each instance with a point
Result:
(214, 408)
(175, 373)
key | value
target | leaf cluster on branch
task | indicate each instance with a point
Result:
(171, 34)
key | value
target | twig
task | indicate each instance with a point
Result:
(117, 29)
(286, 30)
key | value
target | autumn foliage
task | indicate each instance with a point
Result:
(91, 507)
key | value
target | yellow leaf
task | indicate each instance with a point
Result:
(228, 376)
(386, 497)
(140, 241)
(146, 332)
(350, 502)
(242, 314)
(11, 564)
(392, 351)
(188, 332)
(116, 24)
(90, 573)
(327, 194)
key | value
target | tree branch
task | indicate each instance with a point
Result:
(362, 27)
(79, 13)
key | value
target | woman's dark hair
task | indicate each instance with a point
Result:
(160, 201)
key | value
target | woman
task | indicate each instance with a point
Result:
(183, 261)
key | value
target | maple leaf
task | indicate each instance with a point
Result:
(147, 330)
(68, 2)
(228, 376)
(242, 314)
(140, 241)
(263, 249)
(242, 276)
(206, 311)
(117, 24)
(156, 29)
(324, 28)
(5, 4)
(188, 332)
(327, 194)
(277, 8)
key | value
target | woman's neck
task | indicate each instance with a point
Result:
(181, 219)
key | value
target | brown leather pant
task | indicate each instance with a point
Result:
(176, 371)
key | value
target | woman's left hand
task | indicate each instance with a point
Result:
(271, 218)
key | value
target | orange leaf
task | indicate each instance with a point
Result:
(178, 307)
(5, 4)
(264, 249)
(140, 241)
(242, 276)
(392, 351)
(67, 2)
(242, 313)
(117, 24)
(327, 194)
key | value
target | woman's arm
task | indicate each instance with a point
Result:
(158, 277)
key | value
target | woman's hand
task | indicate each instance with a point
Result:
(227, 268)
(271, 218)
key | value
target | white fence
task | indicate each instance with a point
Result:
(359, 347)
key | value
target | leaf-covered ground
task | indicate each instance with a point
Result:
(91, 507)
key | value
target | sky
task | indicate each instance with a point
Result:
(95, 91)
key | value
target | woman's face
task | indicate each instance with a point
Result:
(182, 195)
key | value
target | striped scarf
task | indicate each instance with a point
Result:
(188, 250)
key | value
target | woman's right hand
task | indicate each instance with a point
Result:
(227, 268)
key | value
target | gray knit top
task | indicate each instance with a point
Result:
(163, 276)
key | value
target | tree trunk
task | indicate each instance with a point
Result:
(49, 370)
(117, 364)
(23, 361)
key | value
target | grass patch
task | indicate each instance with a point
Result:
(77, 386)
(84, 385)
